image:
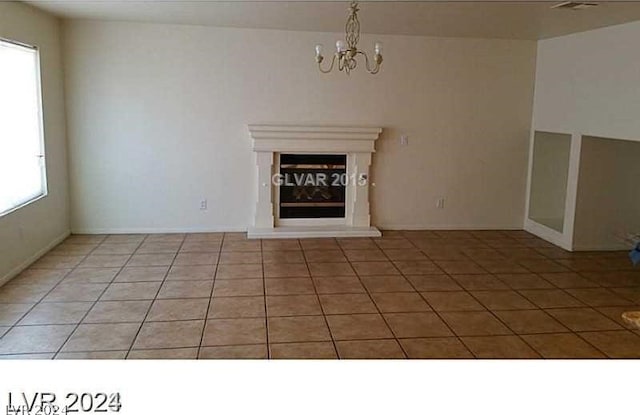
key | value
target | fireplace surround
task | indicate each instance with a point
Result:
(293, 200)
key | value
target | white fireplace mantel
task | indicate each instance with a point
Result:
(358, 143)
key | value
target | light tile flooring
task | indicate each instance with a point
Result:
(418, 294)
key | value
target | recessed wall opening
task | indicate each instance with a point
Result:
(312, 186)
(608, 197)
(549, 177)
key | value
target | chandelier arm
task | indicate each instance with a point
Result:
(373, 71)
(333, 60)
(341, 62)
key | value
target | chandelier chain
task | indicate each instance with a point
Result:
(352, 27)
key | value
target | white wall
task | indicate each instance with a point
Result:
(158, 114)
(589, 83)
(608, 202)
(30, 231)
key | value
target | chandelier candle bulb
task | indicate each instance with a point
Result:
(341, 46)
(378, 48)
(318, 50)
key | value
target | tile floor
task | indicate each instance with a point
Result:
(417, 294)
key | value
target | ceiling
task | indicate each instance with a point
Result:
(496, 19)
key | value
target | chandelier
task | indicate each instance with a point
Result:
(346, 52)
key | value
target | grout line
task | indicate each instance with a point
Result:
(568, 330)
(436, 311)
(324, 341)
(315, 290)
(495, 274)
(264, 299)
(600, 331)
(99, 296)
(206, 315)
(53, 288)
(482, 243)
(157, 292)
(373, 301)
(69, 271)
(518, 260)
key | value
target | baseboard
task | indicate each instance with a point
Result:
(388, 227)
(97, 231)
(409, 227)
(605, 247)
(33, 258)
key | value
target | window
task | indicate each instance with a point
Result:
(22, 168)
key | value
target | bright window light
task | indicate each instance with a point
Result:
(22, 167)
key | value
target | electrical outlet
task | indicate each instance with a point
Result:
(404, 140)
(440, 203)
(203, 204)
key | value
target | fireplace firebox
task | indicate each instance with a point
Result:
(312, 185)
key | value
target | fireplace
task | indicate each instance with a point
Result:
(312, 186)
(312, 181)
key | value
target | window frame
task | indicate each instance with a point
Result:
(42, 156)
